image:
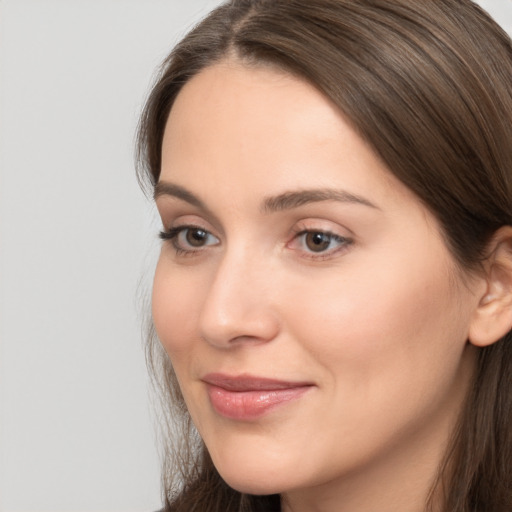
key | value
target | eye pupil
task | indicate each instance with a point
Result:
(317, 241)
(196, 237)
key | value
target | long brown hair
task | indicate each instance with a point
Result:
(429, 86)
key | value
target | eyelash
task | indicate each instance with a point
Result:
(172, 236)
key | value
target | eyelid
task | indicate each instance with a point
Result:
(178, 219)
(174, 213)
(322, 225)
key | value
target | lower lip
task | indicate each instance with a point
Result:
(251, 405)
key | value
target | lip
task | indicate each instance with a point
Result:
(247, 397)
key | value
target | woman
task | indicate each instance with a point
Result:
(334, 290)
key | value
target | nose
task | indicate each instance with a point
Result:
(240, 303)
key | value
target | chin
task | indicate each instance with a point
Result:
(255, 486)
(256, 480)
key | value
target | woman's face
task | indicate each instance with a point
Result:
(315, 319)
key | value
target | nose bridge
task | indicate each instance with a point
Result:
(238, 303)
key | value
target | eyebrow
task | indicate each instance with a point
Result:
(164, 188)
(284, 201)
(290, 200)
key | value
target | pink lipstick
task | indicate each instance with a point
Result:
(247, 398)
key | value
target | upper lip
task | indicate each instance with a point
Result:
(247, 382)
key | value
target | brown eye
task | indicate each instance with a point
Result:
(196, 237)
(316, 241)
(317, 244)
(189, 239)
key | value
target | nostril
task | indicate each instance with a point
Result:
(242, 323)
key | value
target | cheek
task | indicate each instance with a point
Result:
(174, 314)
(398, 330)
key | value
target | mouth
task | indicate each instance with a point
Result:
(246, 397)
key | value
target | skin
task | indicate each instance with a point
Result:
(377, 322)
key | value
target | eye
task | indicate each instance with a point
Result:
(319, 243)
(189, 239)
(316, 241)
(195, 237)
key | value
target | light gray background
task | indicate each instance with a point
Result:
(76, 239)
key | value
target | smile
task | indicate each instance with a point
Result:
(247, 398)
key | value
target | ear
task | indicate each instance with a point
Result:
(493, 317)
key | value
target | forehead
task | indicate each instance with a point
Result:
(259, 121)
(250, 102)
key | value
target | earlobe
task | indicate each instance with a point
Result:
(493, 317)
